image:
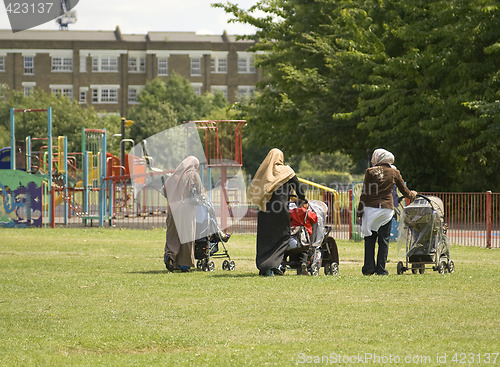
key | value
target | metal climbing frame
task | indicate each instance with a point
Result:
(223, 150)
(94, 172)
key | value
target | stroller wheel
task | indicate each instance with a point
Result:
(451, 266)
(225, 265)
(442, 267)
(314, 270)
(334, 269)
(208, 266)
(231, 266)
(199, 264)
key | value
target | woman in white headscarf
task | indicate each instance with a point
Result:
(376, 209)
(270, 191)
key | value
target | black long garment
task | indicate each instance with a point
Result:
(273, 226)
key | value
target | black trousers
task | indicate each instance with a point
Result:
(382, 235)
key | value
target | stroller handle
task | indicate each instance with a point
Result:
(417, 196)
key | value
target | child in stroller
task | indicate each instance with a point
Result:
(311, 245)
(208, 237)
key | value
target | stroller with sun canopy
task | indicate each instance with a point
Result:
(422, 233)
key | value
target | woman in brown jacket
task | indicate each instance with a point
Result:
(376, 209)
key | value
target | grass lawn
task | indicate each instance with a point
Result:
(102, 297)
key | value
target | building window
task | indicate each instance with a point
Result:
(133, 94)
(105, 94)
(28, 88)
(218, 64)
(104, 64)
(29, 65)
(245, 91)
(163, 66)
(197, 88)
(246, 64)
(137, 64)
(62, 63)
(62, 90)
(2, 63)
(195, 66)
(83, 95)
(220, 88)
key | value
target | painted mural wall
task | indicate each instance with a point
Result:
(20, 199)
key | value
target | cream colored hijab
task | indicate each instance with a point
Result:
(179, 184)
(271, 174)
(382, 156)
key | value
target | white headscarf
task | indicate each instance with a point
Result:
(382, 156)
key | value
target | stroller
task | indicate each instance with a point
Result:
(423, 233)
(208, 237)
(307, 253)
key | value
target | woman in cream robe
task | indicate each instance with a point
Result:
(180, 188)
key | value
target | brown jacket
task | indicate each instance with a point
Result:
(378, 185)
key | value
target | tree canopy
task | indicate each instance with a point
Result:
(420, 78)
(68, 118)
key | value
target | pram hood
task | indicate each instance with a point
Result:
(421, 227)
(321, 210)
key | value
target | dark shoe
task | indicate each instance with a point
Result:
(367, 271)
(184, 269)
(169, 263)
(385, 272)
(268, 273)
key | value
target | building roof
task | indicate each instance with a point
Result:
(43, 35)
(116, 35)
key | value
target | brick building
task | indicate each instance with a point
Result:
(107, 69)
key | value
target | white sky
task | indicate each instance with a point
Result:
(142, 16)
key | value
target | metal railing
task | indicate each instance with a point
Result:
(473, 219)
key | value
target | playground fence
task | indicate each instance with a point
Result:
(473, 219)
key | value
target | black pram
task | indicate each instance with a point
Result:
(208, 237)
(423, 235)
(307, 253)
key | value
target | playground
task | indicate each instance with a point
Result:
(84, 297)
(44, 185)
(92, 289)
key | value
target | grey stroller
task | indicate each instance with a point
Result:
(422, 233)
(308, 253)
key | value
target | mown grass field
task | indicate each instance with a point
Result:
(102, 297)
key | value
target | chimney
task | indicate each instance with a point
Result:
(118, 33)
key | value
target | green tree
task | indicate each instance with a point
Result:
(68, 118)
(420, 78)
